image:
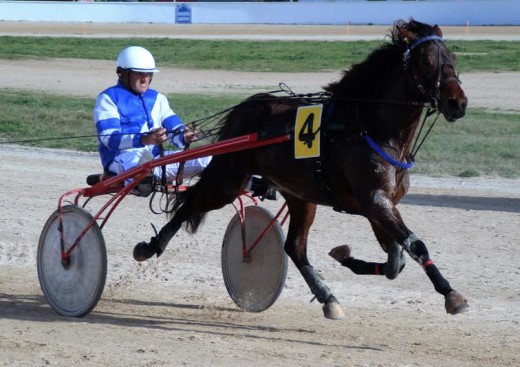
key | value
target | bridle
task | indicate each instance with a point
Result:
(431, 94)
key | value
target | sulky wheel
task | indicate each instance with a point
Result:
(255, 284)
(74, 288)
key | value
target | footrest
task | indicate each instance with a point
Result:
(98, 177)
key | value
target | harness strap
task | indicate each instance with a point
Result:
(406, 55)
(179, 178)
(164, 181)
(319, 167)
(384, 154)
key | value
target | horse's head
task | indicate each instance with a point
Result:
(432, 67)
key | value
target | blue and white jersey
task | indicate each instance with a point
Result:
(122, 116)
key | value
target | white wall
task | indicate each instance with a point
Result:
(442, 12)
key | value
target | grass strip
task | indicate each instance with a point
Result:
(483, 143)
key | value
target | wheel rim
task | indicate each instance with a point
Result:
(254, 285)
(75, 289)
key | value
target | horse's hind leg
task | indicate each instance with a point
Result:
(206, 195)
(301, 217)
(342, 254)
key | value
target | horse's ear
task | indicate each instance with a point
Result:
(403, 32)
(400, 23)
(437, 30)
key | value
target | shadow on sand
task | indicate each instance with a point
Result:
(34, 308)
(511, 205)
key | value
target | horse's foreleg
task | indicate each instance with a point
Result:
(454, 301)
(342, 254)
(302, 215)
(390, 229)
(391, 269)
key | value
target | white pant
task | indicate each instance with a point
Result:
(135, 157)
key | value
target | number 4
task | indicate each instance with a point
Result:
(307, 127)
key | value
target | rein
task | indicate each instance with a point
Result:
(433, 96)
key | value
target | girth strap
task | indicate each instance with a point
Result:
(319, 166)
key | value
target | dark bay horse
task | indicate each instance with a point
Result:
(369, 120)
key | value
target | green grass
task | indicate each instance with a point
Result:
(51, 121)
(286, 56)
(483, 143)
(36, 116)
(486, 55)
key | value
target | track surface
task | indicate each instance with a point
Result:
(175, 311)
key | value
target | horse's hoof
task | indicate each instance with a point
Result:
(393, 265)
(340, 253)
(143, 251)
(332, 309)
(455, 303)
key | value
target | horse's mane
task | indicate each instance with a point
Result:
(363, 78)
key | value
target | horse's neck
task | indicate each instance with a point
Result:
(398, 118)
(385, 109)
(407, 136)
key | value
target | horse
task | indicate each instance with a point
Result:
(368, 122)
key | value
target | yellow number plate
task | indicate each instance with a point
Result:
(307, 132)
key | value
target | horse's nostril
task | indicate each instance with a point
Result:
(456, 104)
(454, 109)
(453, 103)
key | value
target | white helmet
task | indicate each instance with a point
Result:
(137, 59)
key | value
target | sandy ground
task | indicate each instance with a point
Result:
(239, 31)
(175, 311)
(489, 90)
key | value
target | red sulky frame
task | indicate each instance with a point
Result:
(115, 185)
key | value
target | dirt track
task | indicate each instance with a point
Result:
(175, 310)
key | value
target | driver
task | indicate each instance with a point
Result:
(132, 121)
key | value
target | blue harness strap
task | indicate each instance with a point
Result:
(385, 155)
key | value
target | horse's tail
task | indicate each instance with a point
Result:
(176, 201)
